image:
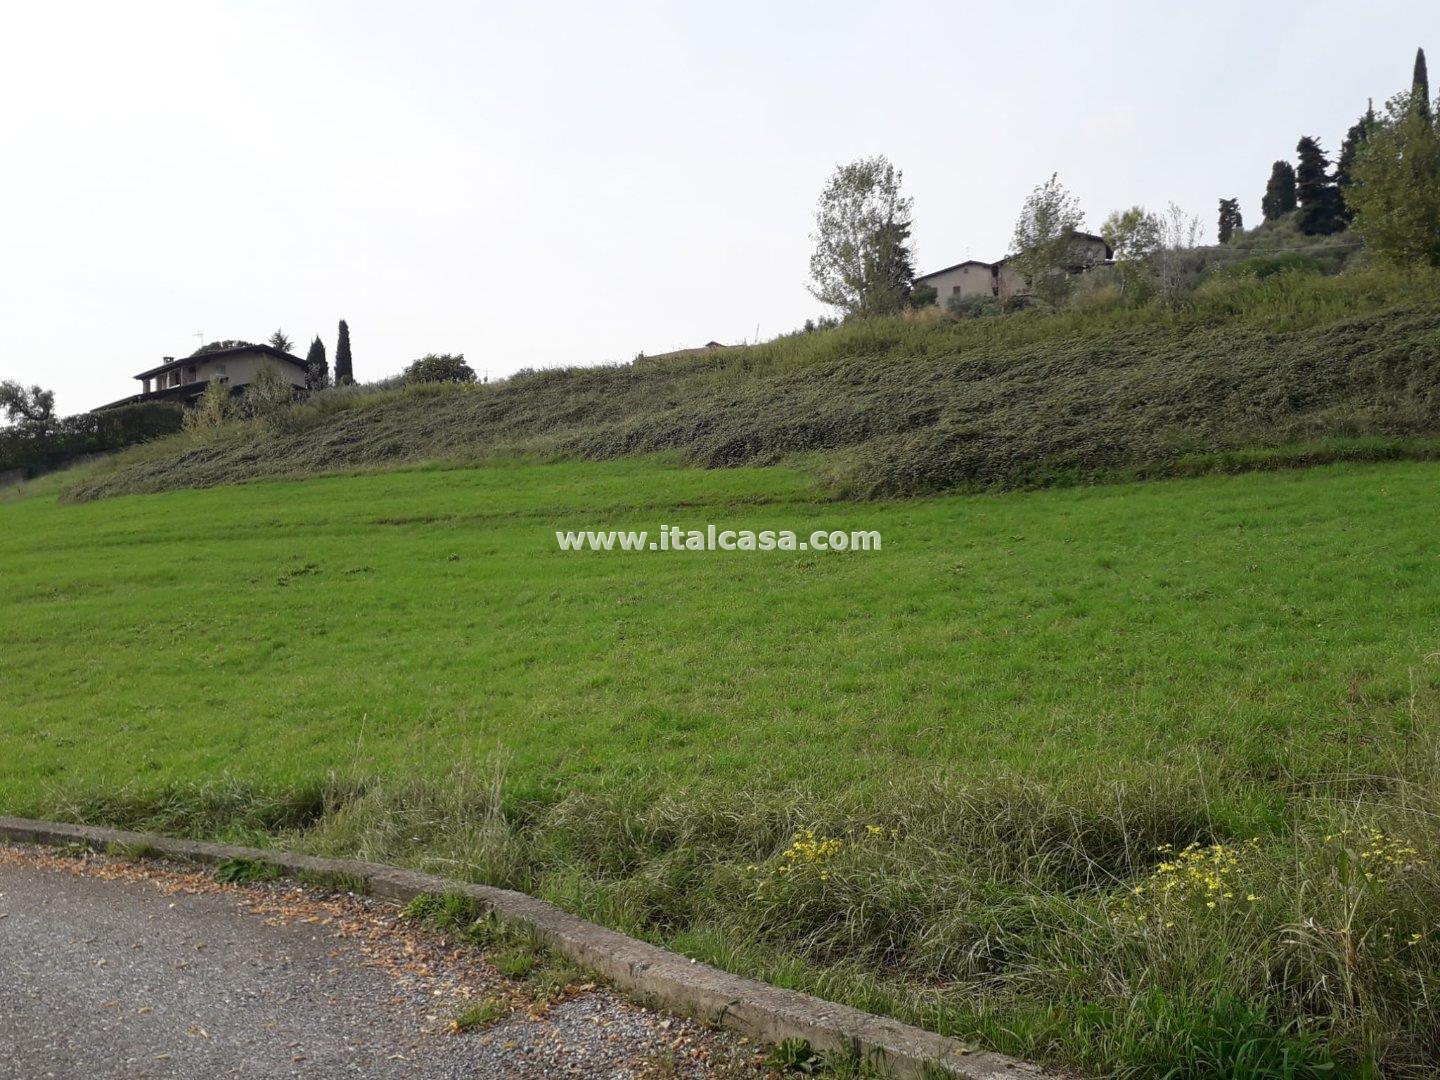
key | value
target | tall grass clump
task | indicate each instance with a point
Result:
(1119, 927)
(1128, 925)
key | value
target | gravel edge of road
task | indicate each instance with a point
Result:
(757, 1010)
(156, 969)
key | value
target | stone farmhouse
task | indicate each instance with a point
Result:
(999, 281)
(185, 379)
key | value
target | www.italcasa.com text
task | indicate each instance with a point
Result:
(712, 538)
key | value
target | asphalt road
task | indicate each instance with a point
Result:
(110, 968)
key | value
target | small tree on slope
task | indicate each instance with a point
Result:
(1044, 240)
(317, 366)
(1279, 197)
(344, 369)
(1320, 207)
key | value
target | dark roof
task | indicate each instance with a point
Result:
(186, 361)
(1109, 254)
(184, 392)
(946, 270)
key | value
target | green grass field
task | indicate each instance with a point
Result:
(999, 717)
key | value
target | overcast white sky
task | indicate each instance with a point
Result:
(550, 183)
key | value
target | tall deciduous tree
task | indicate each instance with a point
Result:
(862, 263)
(280, 340)
(317, 366)
(344, 368)
(1134, 235)
(1044, 242)
(1319, 197)
(1230, 220)
(1395, 196)
(1279, 197)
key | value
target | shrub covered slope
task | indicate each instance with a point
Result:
(893, 406)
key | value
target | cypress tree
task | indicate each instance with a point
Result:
(1279, 192)
(344, 370)
(1345, 165)
(1420, 86)
(1350, 146)
(317, 366)
(1230, 219)
(1320, 206)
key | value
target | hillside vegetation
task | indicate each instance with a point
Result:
(1256, 368)
(954, 780)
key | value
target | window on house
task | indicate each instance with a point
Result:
(954, 290)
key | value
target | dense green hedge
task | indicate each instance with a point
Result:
(86, 433)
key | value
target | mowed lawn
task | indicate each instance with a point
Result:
(1274, 625)
(1001, 728)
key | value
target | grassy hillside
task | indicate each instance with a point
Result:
(1253, 372)
(991, 728)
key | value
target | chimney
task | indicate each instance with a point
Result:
(167, 359)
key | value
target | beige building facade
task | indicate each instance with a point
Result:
(998, 281)
(226, 369)
(186, 378)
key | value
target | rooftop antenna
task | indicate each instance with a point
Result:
(200, 335)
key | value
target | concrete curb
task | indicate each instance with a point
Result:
(762, 1012)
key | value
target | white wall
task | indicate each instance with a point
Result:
(972, 279)
(240, 368)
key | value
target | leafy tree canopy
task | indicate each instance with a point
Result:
(218, 346)
(1044, 243)
(862, 263)
(1395, 189)
(1132, 234)
(440, 367)
(31, 409)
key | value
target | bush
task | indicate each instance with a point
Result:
(212, 409)
(1263, 266)
(973, 307)
(923, 296)
(267, 395)
(440, 367)
(87, 433)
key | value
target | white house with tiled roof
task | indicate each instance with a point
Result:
(185, 379)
